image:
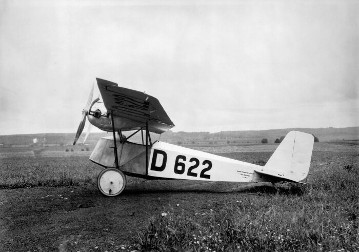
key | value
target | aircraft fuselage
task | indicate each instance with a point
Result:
(172, 162)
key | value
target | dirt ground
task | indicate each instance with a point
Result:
(70, 218)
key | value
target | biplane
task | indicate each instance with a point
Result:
(124, 110)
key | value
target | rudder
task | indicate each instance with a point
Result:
(291, 160)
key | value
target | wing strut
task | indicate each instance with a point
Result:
(142, 136)
(114, 140)
(148, 141)
(146, 147)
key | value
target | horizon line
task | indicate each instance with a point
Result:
(181, 131)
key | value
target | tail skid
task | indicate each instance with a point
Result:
(290, 161)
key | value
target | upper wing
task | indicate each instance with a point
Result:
(135, 106)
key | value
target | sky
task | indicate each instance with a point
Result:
(213, 65)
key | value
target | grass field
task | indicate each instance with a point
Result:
(323, 216)
(320, 216)
(47, 171)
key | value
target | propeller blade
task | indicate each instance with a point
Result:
(89, 101)
(88, 132)
(80, 128)
(85, 111)
(94, 101)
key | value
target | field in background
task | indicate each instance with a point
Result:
(197, 216)
(223, 138)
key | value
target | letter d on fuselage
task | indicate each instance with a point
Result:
(159, 160)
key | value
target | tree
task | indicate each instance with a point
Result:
(264, 140)
(281, 139)
(316, 139)
(277, 141)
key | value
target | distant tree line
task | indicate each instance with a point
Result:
(279, 140)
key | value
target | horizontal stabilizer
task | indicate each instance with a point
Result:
(269, 176)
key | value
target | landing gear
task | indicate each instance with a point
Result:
(111, 182)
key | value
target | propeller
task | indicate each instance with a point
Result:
(87, 133)
(90, 125)
(85, 112)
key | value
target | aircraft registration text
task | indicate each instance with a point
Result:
(171, 161)
(193, 168)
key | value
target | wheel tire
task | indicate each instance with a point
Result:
(111, 182)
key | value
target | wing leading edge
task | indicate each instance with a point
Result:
(135, 107)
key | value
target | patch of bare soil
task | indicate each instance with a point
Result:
(71, 218)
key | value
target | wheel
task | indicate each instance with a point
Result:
(111, 182)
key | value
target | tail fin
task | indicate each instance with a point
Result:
(291, 160)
